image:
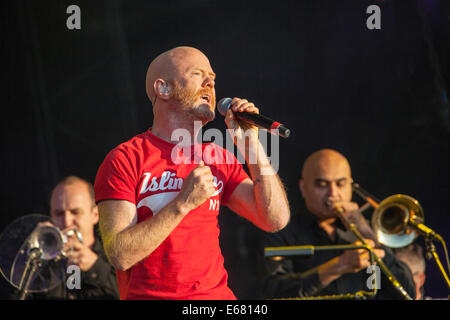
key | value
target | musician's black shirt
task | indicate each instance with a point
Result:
(296, 277)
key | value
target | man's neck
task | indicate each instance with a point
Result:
(175, 130)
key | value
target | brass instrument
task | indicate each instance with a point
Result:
(46, 242)
(394, 222)
(379, 262)
(398, 220)
(50, 240)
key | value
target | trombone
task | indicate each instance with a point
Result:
(352, 227)
(397, 221)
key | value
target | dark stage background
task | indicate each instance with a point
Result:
(377, 96)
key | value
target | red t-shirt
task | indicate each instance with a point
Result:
(189, 263)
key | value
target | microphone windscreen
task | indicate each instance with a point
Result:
(223, 106)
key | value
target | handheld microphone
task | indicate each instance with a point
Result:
(254, 119)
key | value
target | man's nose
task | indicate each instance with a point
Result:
(209, 82)
(334, 190)
(67, 220)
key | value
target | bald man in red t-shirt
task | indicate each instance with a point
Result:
(158, 208)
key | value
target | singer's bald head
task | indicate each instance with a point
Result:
(168, 65)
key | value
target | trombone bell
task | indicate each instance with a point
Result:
(391, 218)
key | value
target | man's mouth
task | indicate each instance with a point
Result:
(329, 204)
(206, 98)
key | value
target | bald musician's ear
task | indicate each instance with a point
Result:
(301, 186)
(161, 89)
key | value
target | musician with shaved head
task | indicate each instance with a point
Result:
(72, 205)
(326, 186)
(159, 196)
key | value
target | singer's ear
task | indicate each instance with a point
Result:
(162, 89)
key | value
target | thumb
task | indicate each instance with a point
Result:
(380, 253)
(201, 163)
(229, 117)
(370, 243)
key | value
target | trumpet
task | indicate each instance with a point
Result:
(49, 240)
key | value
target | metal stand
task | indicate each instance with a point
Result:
(383, 267)
(360, 295)
(432, 254)
(292, 251)
(34, 259)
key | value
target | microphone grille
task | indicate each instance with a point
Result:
(223, 106)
